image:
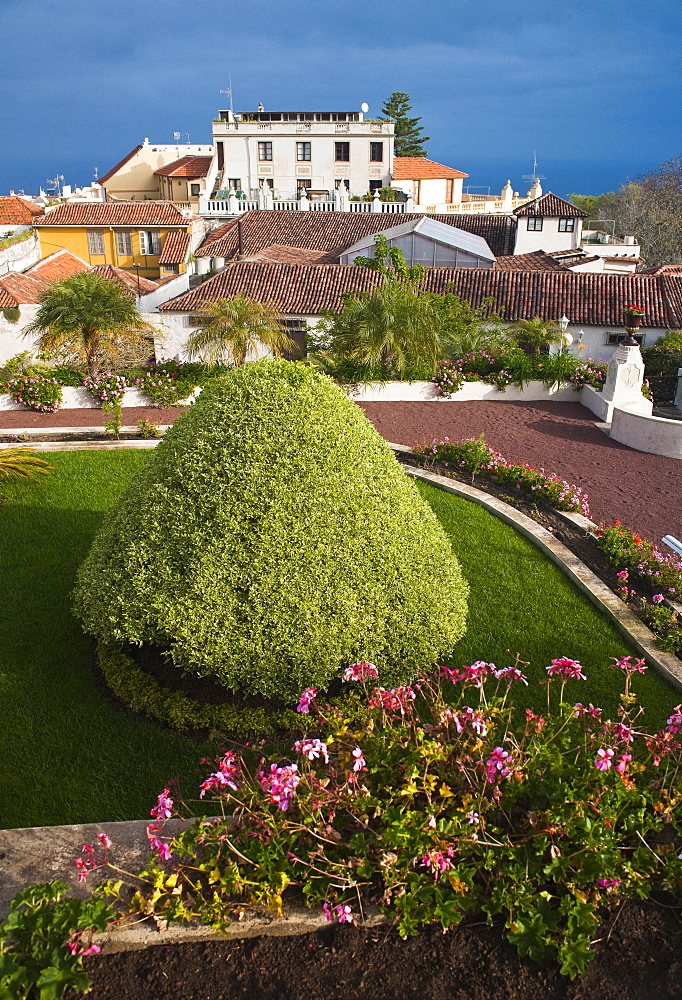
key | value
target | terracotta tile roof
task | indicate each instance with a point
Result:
(123, 213)
(417, 168)
(538, 260)
(58, 266)
(121, 163)
(19, 289)
(16, 211)
(279, 253)
(590, 299)
(126, 278)
(332, 232)
(175, 247)
(550, 206)
(663, 269)
(187, 166)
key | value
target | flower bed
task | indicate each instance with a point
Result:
(516, 368)
(637, 559)
(431, 801)
(474, 455)
(44, 395)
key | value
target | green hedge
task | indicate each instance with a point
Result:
(272, 539)
(141, 693)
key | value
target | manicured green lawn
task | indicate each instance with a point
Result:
(69, 755)
(522, 603)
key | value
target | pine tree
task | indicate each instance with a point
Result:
(407, 138)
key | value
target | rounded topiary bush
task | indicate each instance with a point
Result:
(272, 539)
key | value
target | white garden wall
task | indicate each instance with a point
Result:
(74, 399)
(655, 435)
(427, 392)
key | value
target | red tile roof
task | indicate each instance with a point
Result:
(662, 269)
(25, 289)
(16, 211)
(121, 213)
(19, 289)
(58, 266)
(175, 247)
(550, 206)
(121, 163)
(333, 232)
(279, 253)
(538, 260)
(590, 299)
(417, 168)
(131, 281)
(187, 166)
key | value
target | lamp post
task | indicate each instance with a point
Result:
(566, 338)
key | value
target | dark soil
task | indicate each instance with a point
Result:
(638, 957)
(641, 490)
(84, 417)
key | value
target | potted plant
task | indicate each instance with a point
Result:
(631, 317)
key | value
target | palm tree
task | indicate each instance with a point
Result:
(539, 334)
(90, 316)
(394, 326)
(234, 328)
(17, 463)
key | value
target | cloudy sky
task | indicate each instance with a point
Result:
(593, 87)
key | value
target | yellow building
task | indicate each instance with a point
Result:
(152, 239)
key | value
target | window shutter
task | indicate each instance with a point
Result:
(143, 242)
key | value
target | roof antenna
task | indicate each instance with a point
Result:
(229, 90)
(535, 176)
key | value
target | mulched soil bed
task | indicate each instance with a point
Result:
(641, 490)
(638, 957)
(82, 417)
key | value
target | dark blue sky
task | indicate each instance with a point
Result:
(593, 86)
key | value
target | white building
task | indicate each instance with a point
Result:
(292, 151)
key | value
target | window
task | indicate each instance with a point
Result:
(303, 185)
(96, 241)
(534, 223)
(235, 183)
(171, 268)
(194, 190)
(264, 150)
(342, 152)
(376, 152)
(566, 225)
(613, 339)
(124, 243)
(149, 243)
(303, 151)
(375, 186)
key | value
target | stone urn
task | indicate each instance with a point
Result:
(631, 320)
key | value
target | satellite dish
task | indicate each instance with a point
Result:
(364, 107)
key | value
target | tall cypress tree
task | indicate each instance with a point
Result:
(407, 130)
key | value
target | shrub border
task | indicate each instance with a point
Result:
(142, 694)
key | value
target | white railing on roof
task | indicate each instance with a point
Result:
(226, 207)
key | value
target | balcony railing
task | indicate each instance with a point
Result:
(227, 207)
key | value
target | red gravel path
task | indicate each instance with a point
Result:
(641, 490)
(82, 417)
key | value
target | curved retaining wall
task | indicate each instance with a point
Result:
(655, 435)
